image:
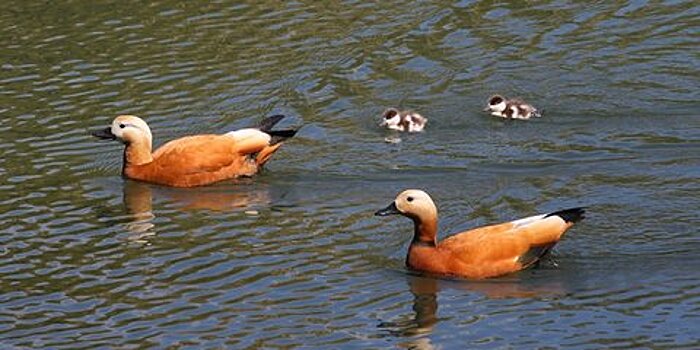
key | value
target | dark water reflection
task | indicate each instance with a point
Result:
(294, 258)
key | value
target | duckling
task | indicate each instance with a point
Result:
(500, 106)
(194, 160)
(403, 120)
(482, 252)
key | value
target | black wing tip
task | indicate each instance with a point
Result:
(570, 215)
(269, 122)
(278, 136)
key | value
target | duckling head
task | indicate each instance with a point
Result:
(391, 119)
(128, 129)
(415, 204)
(496, 104)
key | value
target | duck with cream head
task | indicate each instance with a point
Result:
(482, 252)
(194, 160)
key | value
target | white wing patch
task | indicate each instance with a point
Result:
(243, 134)
(528, 220)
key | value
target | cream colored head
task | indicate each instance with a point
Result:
(415, 204)
(135, 134)
(128, 129)
(418, 206)
(131, 129)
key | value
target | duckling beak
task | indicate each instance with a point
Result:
(487, 109)
(105, 134)
(390, 210)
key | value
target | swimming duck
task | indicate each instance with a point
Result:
(403, 120)
(194, 160)
(500, 106)
(483, 252)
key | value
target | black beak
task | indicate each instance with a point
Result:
(105, 134)
(390, 210)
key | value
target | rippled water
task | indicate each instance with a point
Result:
(294, 258)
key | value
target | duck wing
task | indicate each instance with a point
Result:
(522, 241)
(196, 154)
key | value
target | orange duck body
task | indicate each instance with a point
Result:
(194, 160)
(483, 252)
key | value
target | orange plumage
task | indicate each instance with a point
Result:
(194, 160)
(482, 252)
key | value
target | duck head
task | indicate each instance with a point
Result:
(496, 104)
(391, 118)
(412, 204)
(418, 206)
(135, 134)
(128, 129)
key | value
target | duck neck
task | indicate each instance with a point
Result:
(137, 153)
(425, 232)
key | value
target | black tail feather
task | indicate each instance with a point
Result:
(278, 136)
(570, 215)
(268, 123)
(281, 135)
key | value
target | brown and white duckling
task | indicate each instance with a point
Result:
(500, 106)
(403, 120)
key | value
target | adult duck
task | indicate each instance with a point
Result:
(483, 252)
(194, 160)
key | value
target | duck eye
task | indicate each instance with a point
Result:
(122, 126)
(410, 199)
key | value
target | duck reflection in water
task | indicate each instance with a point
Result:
(138, 200)
(421, 323)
